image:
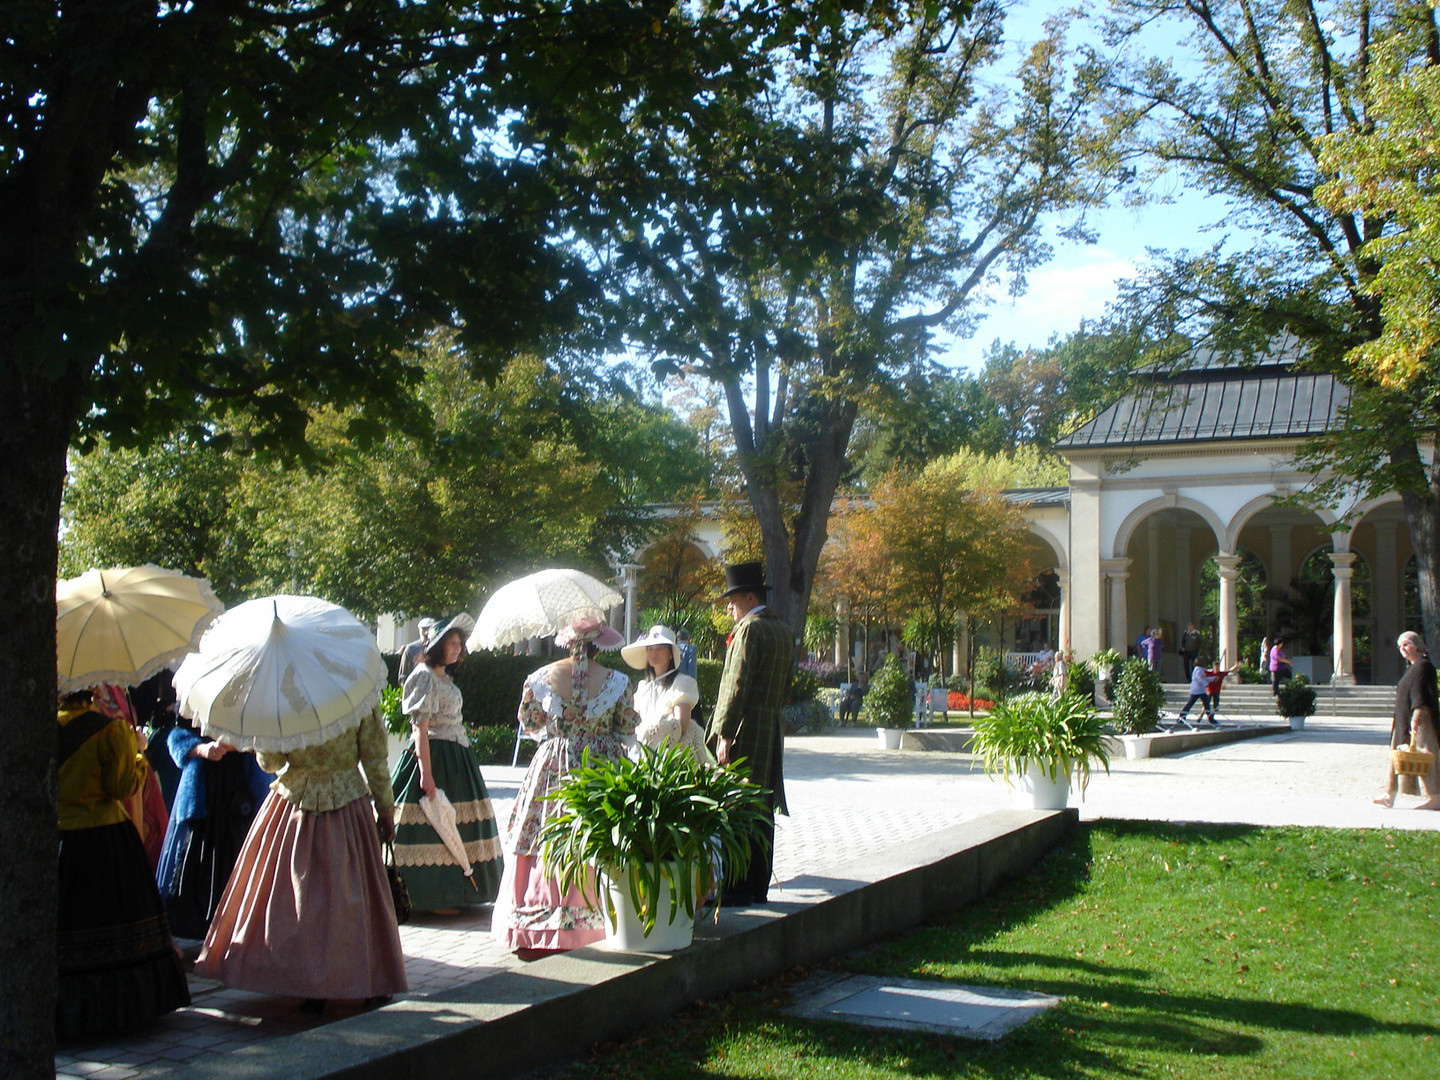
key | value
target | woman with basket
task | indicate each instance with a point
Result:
(1413, 735)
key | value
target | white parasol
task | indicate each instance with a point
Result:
(441, 814)
(125, 624)
(281, 673)
(540, 605)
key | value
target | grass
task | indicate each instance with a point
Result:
(1179, 951)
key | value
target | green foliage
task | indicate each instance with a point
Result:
(707, 676)
(659, 818)
(396, 722)
(515, 469)
(803, 685)
(1060, 736)
(491, 684)
(811, 717)
(890, 701)
(1139, 694)
(995, 677)
(1295, 697)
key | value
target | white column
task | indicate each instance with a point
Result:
(1343, 672)
(1229, 643)
(842, 631)
(1116, 572)
(1084, 557)
(1064, 644)
(629, 580)
(1183, 579)
(1279, 571)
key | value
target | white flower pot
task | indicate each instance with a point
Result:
(889, 737)
(1297, 723)
(1136, 746)
(628, 933)
(1039, 792)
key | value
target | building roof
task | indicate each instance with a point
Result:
(1215, 404)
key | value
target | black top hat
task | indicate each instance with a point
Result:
(745, 577)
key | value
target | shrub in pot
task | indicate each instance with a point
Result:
(653, 824)
(1295, 699)
(1059, 736)
(890, 701)
(1139, 694)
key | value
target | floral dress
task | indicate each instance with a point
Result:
(531, 912)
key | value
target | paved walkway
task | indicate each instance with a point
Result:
(849, 799)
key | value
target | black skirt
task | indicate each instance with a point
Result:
(119, 969)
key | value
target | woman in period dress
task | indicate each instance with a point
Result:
(439, 757)
(573, 706)
(119, 969)
(1416, 709)
(219, 792)
(665, 697)
(308, 911)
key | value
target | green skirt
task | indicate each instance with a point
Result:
(432, 875)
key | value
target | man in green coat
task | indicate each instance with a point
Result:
(748, 721)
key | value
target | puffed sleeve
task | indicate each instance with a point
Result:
(683, 691)
(418, 701)
(122, 765)
(374, 755)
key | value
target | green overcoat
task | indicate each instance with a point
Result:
(750, 707)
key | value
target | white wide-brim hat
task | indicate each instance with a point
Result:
(634, 653)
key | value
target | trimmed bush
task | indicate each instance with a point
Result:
(891, 699)
(1138, 697)
(803, 685)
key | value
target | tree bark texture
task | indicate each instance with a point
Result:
(36, 417)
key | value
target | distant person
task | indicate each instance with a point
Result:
(1279, 664)
(749, 718)
(689, 657)
(1191, 642)
(1199, 691)
(1214, 682)
(118, 967)
(410, 655)
(1416, 710)
(852, 699)
(1154, 650)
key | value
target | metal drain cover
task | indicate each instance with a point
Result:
(972, 1012)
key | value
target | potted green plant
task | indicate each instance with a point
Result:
(1041, 741)
(1295, 699)
(653, 827)
(1139, 694)
(1105, 662)
(890, 701)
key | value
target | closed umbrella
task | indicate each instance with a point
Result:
(440, 812)
(281, 673)
(125, 624)
(540, 605)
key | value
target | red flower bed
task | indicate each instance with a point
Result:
(960, 702)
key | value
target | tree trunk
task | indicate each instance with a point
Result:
(36, 416)
(1422, 514)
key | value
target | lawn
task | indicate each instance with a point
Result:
(1179, 951)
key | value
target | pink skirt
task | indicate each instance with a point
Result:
(532, 913)
(307, 912)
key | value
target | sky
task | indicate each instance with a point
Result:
(1081, 278)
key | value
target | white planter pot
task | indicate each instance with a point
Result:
(1039, 792)
(1136, 746)
(1297, 723)
(889, 737)
(628, 933)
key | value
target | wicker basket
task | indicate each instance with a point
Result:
(1410, 762)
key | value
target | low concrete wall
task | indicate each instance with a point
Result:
(559, 1007)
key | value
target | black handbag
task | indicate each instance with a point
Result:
(399, 894)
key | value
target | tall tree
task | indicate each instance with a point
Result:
(799, 249)
(1247, 116)
(254, 206)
